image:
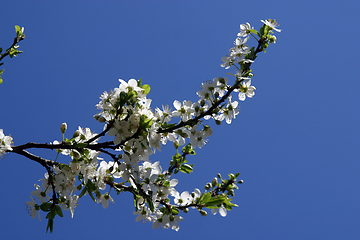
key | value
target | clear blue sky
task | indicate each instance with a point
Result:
(296, 143)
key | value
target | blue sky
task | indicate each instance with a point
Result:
(295, 142)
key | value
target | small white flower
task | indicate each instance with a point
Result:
(246, 90)
(229, 112)
(5, 142)
(104, 200)
(272, 24)
(183, 199)
(244, 30)
(33, 208)
(185, 111)
(38, 193)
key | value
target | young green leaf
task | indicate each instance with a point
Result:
(186, 168)
(217, 200)
(59, 211)
(205, 198)
(146, 87)
(50, 225)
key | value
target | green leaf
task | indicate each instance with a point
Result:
(59, 211)
(186, 168)
(145, 122)
(1, 72)
(166, 125)
(217, 200)
(83, 192)
(166, 183)
(18, 30)
(51, 214)
(176, 159)
(45, 207)
(228, 205)
(188, 150)
(255, 32)
(92, 196)
(150, 204)
(147, 88)
(174, 211)
(14, 52)
(205, 198)
(265, 30)
(50, 225)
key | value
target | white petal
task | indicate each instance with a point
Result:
(222, 211)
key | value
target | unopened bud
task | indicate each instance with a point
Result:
(203, 213)
(231, 192)
(76, 134)
(214, 181)
(97, 194)
(99, 118)
(208, 186)
(63, 128)
(106, 196)
(221, 80)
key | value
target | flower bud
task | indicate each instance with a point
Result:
(63, 128)
(106, 196)
(221, 80)
(75, 154)
(214, 181)
(99, 118)
(76, 134)
(186, 210)
(203, 213)
(208, 186)
(231, 192)
(219, 175)
(197, 108)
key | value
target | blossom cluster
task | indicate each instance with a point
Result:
(5, 142)
(136, 133)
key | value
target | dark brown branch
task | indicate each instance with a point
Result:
(44, 162)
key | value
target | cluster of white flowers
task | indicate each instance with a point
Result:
(237, 53)
(126, 111)
(137, 133)
(5, 142)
